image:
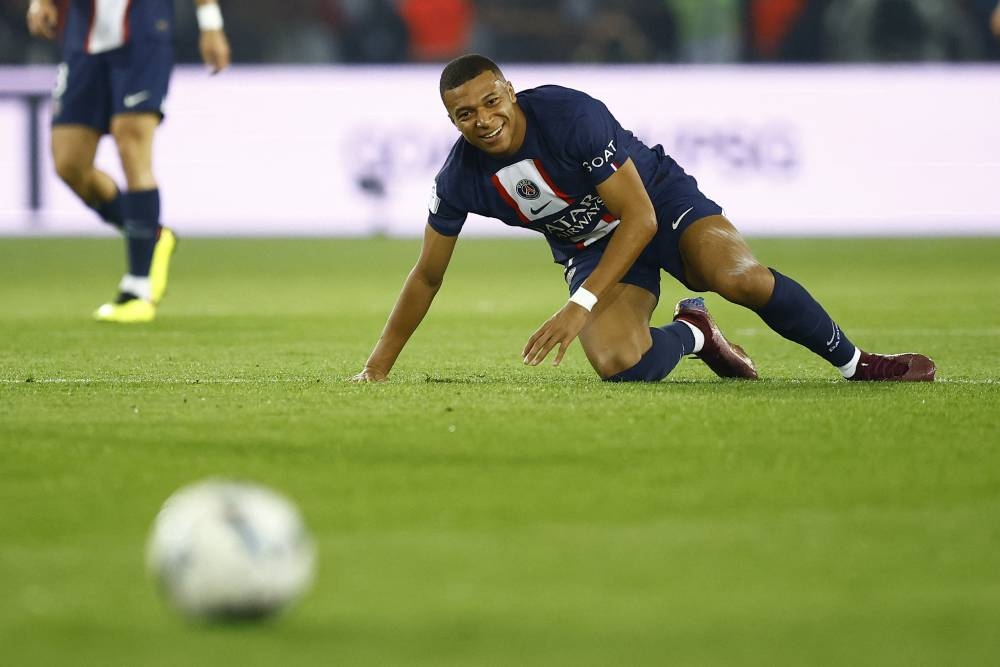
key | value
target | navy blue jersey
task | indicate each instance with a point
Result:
(572, 144)
(96, 26)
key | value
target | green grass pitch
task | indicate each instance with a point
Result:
(474, 511)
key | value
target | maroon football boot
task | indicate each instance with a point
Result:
(908, 367)
(724, 358)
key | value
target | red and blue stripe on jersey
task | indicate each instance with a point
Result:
(96, 26)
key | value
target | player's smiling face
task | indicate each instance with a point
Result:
(485, 111)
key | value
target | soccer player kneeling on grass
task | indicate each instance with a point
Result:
(614, 212)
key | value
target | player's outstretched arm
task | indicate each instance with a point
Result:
(995, 21)
(213, 43)
(625, 197)
(43, 18)
(413, 303)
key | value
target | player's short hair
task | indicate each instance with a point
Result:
(465, 68)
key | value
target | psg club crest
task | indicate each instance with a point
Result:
(526, 189)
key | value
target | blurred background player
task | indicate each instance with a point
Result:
(117, 57)
(615, 212)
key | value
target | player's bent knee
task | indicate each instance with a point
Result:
(611, 354)
(648, 369)
(610, 366)
(652, 365)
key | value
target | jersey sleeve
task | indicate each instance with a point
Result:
(597, 141)
(445, 218)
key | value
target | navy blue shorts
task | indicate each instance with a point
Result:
(677, 206)
(91, 89)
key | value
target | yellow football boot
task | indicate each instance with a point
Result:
(160, 266)
(132, 311)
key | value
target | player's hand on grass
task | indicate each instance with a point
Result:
(214, 50)
(560, 329)
(43, 18)
(370, 375)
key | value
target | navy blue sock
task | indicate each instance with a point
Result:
(670, 344)
(795, 315)
(111, 211)
(141, 215)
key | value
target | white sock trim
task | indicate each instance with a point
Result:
(699, 337)
(138, 285)
(848, 369)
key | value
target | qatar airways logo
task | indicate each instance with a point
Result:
(603, 159)
(578, 218)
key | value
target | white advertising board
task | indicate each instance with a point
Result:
(353, 151)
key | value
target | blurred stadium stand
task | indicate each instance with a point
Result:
(586, 31)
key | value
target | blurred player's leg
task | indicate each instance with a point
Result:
(133, 134)
(139, 76)
(73, 150)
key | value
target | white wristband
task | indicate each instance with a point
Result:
(209, 17)
(584, 297)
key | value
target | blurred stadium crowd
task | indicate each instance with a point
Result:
(559, 31)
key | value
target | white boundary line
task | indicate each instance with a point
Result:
(134, 380)
(338, 380)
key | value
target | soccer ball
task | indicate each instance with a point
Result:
(221, 549)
